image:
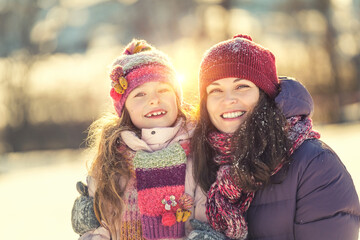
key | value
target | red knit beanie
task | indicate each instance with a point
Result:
(240, 57)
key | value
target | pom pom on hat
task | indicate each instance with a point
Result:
(243, 36)
(136, 47)
(239, 57)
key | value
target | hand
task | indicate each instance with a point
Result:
(203, 230)
(82, 189)
(83, 218)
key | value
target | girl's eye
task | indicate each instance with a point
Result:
(163, 90)
(140, 94)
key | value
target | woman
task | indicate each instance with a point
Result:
(266, 173)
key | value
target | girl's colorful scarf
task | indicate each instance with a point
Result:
(160, 185)
(226, 202)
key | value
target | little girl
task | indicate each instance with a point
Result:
(141, 178)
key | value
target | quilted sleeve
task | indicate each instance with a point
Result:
(327, 202)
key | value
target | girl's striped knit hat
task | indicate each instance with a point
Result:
(240, 57)
(139, 63)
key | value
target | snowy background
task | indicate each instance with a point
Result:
(38, 188)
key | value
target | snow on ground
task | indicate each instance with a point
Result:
(344, 139)
(38, 188)
(36, 201)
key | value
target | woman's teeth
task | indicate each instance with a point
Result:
(232, 114)
(155, 113)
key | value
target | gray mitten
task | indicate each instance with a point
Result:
(83, 218)
(203, 230)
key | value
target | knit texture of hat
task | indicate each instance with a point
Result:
(140, 63)
(241, 58)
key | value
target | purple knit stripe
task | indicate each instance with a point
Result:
(153, 228)
(160, 177)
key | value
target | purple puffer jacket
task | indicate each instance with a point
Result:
(316, 198)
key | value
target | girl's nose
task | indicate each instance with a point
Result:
(154, 99)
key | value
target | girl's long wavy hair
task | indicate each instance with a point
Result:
(110, 167)
(260, 144)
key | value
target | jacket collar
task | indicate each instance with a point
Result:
(153, 139)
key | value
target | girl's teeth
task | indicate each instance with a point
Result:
(155, 114)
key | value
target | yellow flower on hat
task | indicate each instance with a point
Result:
(119, 82)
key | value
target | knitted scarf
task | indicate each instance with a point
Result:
(155, 176)
(160, 184)
(226, 202)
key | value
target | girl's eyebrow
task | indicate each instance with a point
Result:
(139, 88)
(237, 80)
(136, 90)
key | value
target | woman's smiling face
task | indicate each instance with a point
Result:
(230, 101)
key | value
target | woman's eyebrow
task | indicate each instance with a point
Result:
(237, 80)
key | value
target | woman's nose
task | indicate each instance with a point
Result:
(230, 98)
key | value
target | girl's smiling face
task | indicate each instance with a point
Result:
(230, 101)
(152, 104)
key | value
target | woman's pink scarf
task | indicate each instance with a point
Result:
(226, 202)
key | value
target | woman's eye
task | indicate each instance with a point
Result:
(241, 86)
